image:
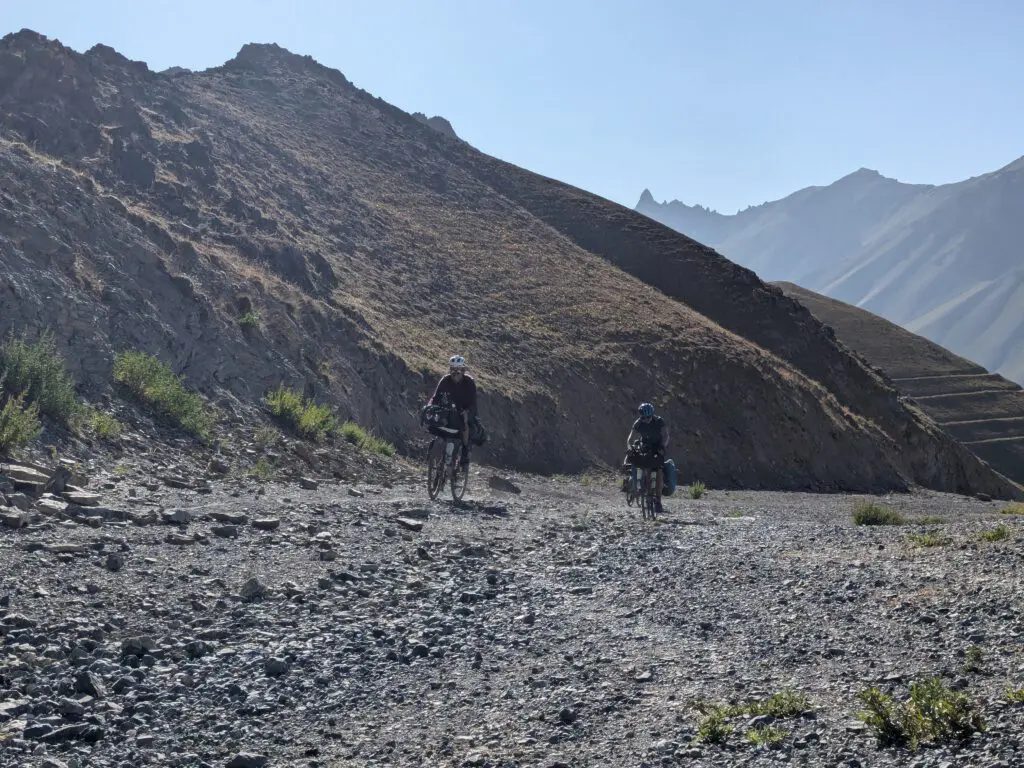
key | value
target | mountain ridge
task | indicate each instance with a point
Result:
(163, 207)
(903, 251)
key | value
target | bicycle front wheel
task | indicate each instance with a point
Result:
(460, 479)
(435, 467)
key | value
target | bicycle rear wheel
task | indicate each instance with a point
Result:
(435, 467)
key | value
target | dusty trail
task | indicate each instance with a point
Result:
(544, 628)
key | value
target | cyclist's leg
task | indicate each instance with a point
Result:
(465, 441)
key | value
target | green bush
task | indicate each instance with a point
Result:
(19, 423)
(105, 425)
(1015, 695)
(1013, 509)
(249, 320)
(868, 513)
(697, 489)
(782, 704)
(359, 437)
(261, 470)
(37, 369)
(766, 736)
(932, 714)
(999, 533)
(266, 436)
(157, 386)
(304, 417)
(713, 727)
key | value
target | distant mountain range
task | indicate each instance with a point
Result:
(946, 262)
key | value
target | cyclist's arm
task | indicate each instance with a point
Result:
(630, 439)
(437, 390)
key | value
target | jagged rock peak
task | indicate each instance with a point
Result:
(438, 123)
(646, 198)
(111, 57)
(265, 58)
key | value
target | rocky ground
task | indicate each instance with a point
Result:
(336, 622)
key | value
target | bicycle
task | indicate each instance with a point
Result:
(443, 460)
(639, 488)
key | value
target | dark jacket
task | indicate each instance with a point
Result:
(462, 394)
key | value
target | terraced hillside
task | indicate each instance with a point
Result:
(982, 410)
(155, 210)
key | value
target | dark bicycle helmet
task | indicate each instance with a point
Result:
(646, 410)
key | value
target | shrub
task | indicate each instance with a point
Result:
(697, 489)
(359, 437)
(104, 425)
(782, 704)
(713, 727)
(932, 714)
(262, 469)
(974, 661)
(1013, 509)
(1015, 695)
(869, 513)
(266, 436)
(766, 736)
(249, 320)
(304, 417)
(158, 387)
(19, 423)
(999, 533)
(37, 369)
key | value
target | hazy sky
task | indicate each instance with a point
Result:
(723, 103)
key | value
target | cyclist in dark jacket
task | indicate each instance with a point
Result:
(458, 388)
(653, 432)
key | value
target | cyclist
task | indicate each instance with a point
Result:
(653, 434)
(457, 388)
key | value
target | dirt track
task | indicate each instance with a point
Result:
(550, 627)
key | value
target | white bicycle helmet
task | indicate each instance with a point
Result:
(456, 363)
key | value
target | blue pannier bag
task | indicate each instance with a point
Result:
(671, 477)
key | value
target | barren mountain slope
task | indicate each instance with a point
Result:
(148, 210)
(983, 410)
(943, 261)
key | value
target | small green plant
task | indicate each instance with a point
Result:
(697, 489)
(19, 423)
(157, 386)
(261, 470)
(928, 540)
(999, 533)
(1013, 509)
(932, 714)
(304, 417)
(1015, 695)
(734, 513)
(766, 736)
(37, 369)
(121, 470)
(974, 661)
(250, 319)
(782, 704)
(266, 436)
(931, 520)
(359, 437)
(869, 513)
(714, 727)
(104, 425)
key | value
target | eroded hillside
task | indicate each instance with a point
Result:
(153, 210)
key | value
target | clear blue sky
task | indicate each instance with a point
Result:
(725, 103)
